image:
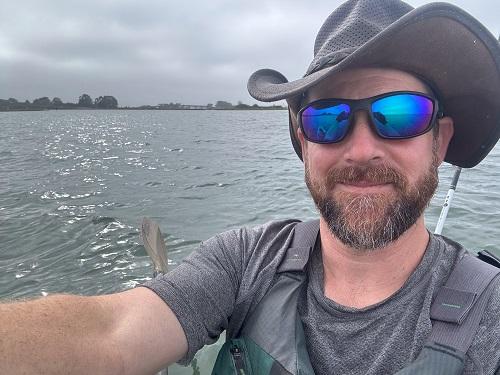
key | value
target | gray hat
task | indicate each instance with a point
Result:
(443, 44)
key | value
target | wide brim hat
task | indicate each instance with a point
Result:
(447, 47)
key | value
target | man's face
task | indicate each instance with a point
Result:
(370, 190)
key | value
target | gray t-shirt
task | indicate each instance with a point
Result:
(215, 287)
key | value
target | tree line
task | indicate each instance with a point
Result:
(220, 104)
(84, 101)
(110, 102)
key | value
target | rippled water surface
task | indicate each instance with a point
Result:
(74, 186)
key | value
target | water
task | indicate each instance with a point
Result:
(74, 186)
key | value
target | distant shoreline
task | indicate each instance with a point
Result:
(85, 102)
(275, 108)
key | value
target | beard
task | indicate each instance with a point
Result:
(373, 220)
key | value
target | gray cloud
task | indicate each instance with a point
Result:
(155, 51)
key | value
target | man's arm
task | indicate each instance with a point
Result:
(133, 332)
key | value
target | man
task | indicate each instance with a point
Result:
(389, 95)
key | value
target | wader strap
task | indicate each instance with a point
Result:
(489, 257)
(304, 239)
(459, 305)
(274, 326)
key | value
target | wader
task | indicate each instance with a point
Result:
(272, 341)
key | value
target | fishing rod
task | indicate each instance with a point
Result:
(485, 255)
(447, 201)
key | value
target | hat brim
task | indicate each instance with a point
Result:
(440, 42)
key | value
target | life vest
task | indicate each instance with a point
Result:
(272, 340)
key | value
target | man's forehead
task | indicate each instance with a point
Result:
(365, 82)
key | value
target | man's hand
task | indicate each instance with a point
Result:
(133, 332)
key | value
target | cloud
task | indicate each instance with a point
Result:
(156, 51)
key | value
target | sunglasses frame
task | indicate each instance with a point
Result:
(365, 104)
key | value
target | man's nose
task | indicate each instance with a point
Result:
(363, 145)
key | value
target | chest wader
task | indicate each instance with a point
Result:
(272, 341)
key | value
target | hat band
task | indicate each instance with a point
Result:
(332, 58)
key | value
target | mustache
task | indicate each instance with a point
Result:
(382, 174)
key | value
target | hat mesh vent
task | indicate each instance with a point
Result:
(352, 25)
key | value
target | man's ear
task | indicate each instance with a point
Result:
(446, 130)
(300, 137)
(298, 132)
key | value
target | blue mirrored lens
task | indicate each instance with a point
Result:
(325, 124)
(402, 115)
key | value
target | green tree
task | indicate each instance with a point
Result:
(106, 102)
(85, 101)
(43, 102)
(57, 102)
(223, 105)
(241, 105)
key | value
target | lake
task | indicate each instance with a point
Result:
(76, 184)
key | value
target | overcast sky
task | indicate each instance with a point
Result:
(160, 51)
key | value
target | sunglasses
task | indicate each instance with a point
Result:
(394, 115)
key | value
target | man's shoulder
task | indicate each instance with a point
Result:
(267, 243)
(257, 240)
(261, 249)
(451, 246)
(255, 251)
(484, 352)
(269, 229)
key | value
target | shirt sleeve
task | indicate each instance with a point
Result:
(201, 291)
(226, 271)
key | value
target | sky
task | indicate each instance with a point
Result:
(161, 51)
